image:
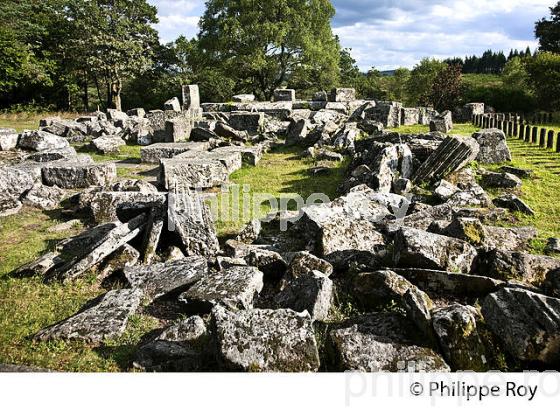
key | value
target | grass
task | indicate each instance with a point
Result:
(29, 121)
(281, 174)
(28, 304)
(542, 191)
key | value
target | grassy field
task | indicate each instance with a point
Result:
(458, 129)
(29, 121)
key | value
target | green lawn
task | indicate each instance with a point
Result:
(29, 121)
(458, 129)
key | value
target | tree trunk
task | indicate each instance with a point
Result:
(116, 88)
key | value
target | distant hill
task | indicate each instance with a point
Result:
(388, 73)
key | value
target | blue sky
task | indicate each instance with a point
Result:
(389, 34)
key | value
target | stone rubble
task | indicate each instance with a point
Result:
(389, 275)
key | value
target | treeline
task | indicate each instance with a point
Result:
(490, 62)
(79, 55)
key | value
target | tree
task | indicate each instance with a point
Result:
(446, 88)
(547, 31)
(422, 77)
(515, 74)
(350, 74)
(264, 45)
(395, 85)
(112, 41)
(544, 76)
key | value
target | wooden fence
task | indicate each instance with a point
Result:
(515, 125)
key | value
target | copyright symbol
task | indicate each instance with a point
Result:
(416, 389)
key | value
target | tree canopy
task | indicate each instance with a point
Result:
(547, 31)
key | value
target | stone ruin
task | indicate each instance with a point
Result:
(413, 242)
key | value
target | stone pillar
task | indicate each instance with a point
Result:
(550, 140)
(191, 97)
(521, 134)
(527, 133)
(284, 95)
(510, 128)
(558, 142)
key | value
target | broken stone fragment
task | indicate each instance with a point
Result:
(161, 279)
(190, 218)
(454, 153)
(8, 139)
(70, 175)
(303, 263)
(462, 345)
(500, 180)
(513, 203)
(233, 288)
(154, 153)
(41, 141)
(442, 123)
(103, 318)
(418, 249)
(528, 324)
(108, 145)
(113, 206)
(265, 340)
(172, 105)
(44, 197)
(493, 146)
(507, 265)
(312, 292)
(250, 232)
(383, 342)
(181, 347)
(40, 266)
(115, 238)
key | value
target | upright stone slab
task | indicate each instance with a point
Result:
(178, 129)
(342, 95)
(493, 146)
(8, 139)
(284, 95)
(173, 105)
(410, 116)
(247, 121)
(191, 97)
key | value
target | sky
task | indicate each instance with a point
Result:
(387, 34)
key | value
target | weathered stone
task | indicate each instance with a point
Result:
(250, 232)
(233, 288)
(116, 115)
(390, 164)
(473, 195)
(14, 183)
(513, 203)
(225, 131)
(114, 206)
(266, 340)
(191, 97)
(118, 261)
(117, 237)
(232, 159)
(108, 145)
(41, 141)
(44, 197)
(132, 185)
(445, 190)
(509, 239)
(162, 279)
(172, 105)
(518, 172)
(284, 95)
(103, 318)
(528, 324)
(271, 263)
(419, 249)
(153, 154)
(443, 283)
(462, 345)
(247, 121)
(181, 347)
(383, 342)
(136, 112)
(410, 116)
(303, 263)
(312, 292)
(500, 180)
(442, 123)
(250, 154)
(493, 146)
(177, 174)
(190, 218)
(506, 265)
(553, 245)
(375, 290)
(453, 153)
(71, 175)
(178, 129)
(8, 139)
(40, 266)
(342, 95)
(243, 98)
